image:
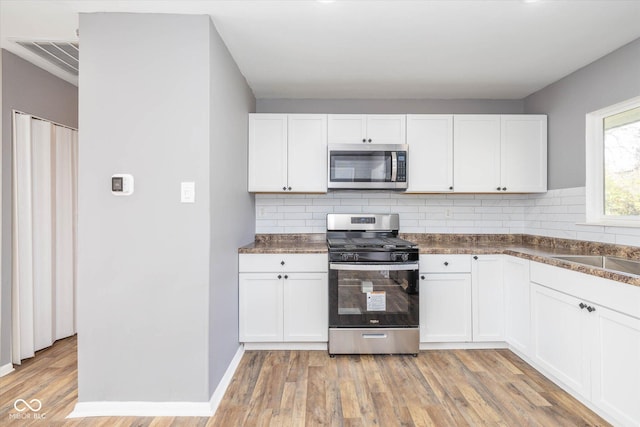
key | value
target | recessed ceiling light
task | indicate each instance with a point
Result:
(326, 1)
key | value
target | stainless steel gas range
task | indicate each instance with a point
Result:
(373, 286)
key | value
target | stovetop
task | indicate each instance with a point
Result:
(374, 242)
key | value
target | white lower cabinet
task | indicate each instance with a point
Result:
(615, 366)
(561, 338)
(278, 305)
(487, 297)
(445, 298)
(306, 310)
(517, 303)
(445, 307)
(261, 307)
(592, 349)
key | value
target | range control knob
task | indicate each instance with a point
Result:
(349, 256)
(400, 256)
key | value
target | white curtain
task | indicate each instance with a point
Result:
(44, 223)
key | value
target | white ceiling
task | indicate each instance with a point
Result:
(504, 49)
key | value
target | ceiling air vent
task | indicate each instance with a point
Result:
(62, 54)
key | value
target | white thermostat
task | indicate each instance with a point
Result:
(122, 184)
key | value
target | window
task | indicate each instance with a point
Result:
(613, 165)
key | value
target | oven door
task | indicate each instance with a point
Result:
(367, 166)
(373, 295)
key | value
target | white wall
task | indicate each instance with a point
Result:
(232, 208)
(609, 80)
(391, 106)
(143, 260)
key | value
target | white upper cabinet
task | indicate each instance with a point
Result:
(430, 139)
(476, 151)
(367, 128)
(500, 153)
(288, 153)
(267, 152)
(307, 153)
(523, 163)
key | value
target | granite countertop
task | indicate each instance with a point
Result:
(534, 248)
(311, 243)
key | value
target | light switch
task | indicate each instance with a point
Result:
(187, 192)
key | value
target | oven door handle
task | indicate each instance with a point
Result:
(375, 267)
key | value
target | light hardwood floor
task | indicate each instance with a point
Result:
(298, 388)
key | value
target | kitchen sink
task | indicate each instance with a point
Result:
(622, 265)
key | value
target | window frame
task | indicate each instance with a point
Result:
(594, 147)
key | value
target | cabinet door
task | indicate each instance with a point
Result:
(516, 303)
(307, 153)
(267, 152)
(476, 153)
(260, 310)
(430, 139)
(560, 339)
(347, 128)
(445, 307)
(523, 153)
(386, 128)
(306, 307)
(615, 366)
(488, 298)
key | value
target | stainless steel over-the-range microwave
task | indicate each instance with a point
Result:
(368, 166)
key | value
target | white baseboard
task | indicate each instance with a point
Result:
(141, 409)
(285, 346)
(462, 345)
(6, 369)
(218, 394)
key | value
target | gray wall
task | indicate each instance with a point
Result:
(29, 89)
(232, 207)
(609, 80)
(391, 106)
(143, 260)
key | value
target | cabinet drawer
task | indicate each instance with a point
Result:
(445, 263)
(248, 263)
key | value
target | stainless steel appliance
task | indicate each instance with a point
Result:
(373, 286)
(368, 166)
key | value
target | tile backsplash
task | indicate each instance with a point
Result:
(557, 213)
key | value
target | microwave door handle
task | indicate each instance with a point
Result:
(394, 166)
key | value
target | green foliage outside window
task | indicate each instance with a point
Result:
(622, 163)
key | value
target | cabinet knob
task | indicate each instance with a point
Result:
(498, 188)
(279, 276)
(289, 188)
(451, 188)
(369, 140)
(446, 263)
(286, 277)
(284, 188)
(475, 257)
(281, 262)
(504, 188)
(422, 277)
(590, 309)
(582, 306)
(364, 140)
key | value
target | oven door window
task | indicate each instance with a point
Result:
(358, 166)
(373, 296)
